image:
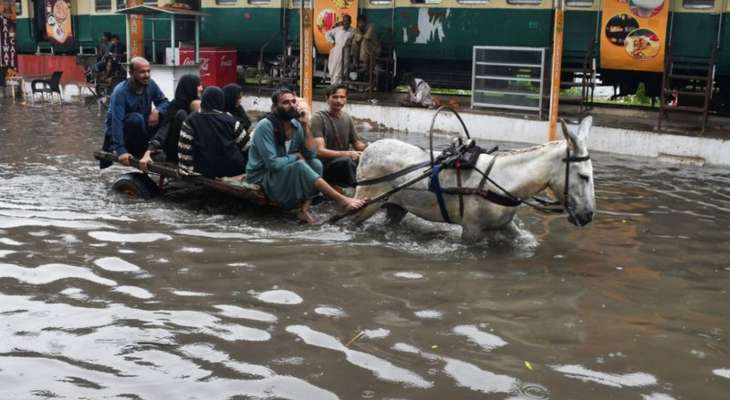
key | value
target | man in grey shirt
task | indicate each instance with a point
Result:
(338, 145)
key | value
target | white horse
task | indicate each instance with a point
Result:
(523, 173)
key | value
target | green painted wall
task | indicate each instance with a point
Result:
(451, 33)
(246, 29)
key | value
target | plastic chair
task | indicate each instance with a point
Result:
(49, 86)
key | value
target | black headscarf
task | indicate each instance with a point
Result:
(214, 145)
(186, 91)
(213, 100)
(231, 92)
(166, 137)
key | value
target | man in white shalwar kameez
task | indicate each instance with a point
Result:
(339, 37)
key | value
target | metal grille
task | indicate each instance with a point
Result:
(509, 77)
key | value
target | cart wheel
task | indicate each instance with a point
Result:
(136, 185)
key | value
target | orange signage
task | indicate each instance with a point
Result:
(327, 13)
(633, 34)
(136, 31)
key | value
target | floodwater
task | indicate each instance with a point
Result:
(194, 296)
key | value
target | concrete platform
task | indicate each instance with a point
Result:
(626, 131)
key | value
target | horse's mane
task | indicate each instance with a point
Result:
(526, 149)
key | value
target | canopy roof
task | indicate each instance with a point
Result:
(153, 10)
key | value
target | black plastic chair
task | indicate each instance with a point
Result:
(49, 86)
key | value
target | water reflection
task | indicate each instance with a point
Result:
(199, 296)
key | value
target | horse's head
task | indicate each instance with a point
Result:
(576, 180)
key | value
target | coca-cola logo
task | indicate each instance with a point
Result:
(226, 61)
(204, 64)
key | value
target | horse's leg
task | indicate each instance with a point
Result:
(471, 232)
(394, 213)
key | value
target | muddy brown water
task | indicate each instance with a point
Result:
(197, 296)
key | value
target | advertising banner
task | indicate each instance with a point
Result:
(58, 22)
(8, 50)
(327, 13)
(136, 32)
(633, 34)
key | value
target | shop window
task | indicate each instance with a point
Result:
(103, 5)
(702, 4)
(473, 1)
(219, 2)
(18, 7)
(379, 2)
(121, 4)
(524, 2)
(259, 2)
(298, 3)
(425, 1)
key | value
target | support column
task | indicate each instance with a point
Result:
(172, 38)
(306, 60)
(556, 68)
(197, 40)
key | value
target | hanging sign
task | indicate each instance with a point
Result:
(633, 34)
(8, 50)
(327, 13)
(136, 32)
(58, 21)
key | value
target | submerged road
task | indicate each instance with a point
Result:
(193, 296)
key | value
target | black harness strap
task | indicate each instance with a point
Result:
(489, 195)
(458, 186)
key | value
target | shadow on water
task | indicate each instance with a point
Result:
(196, 295)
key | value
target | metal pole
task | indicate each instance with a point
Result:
(556, 66)
(129, 38)
(172, 38)
(154, 47)
(197, 39)
(306, 38)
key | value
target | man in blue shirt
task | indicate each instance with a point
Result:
(131, 122)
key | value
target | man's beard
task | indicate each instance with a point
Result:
(287, 115)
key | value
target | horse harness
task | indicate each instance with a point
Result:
(463, 156)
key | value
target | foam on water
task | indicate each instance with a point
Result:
(279, 297)
(245, 313)
(128, 237)
(466, 374)
(13, 222)
(636, 379)
(5, 253)
(723, 372)
(383, 369)
(116, 264)
(10, 242)
(134, 291)
(330, 311)
(485, 340)
(429, 314)
(187, 293)
(45, 274)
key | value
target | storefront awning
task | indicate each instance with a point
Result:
(152, 10)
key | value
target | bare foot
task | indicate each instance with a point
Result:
(351, 203)
(306, 217)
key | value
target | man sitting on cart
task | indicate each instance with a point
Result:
(283, 158)
(131, 122)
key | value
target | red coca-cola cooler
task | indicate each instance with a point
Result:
(217, 64)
